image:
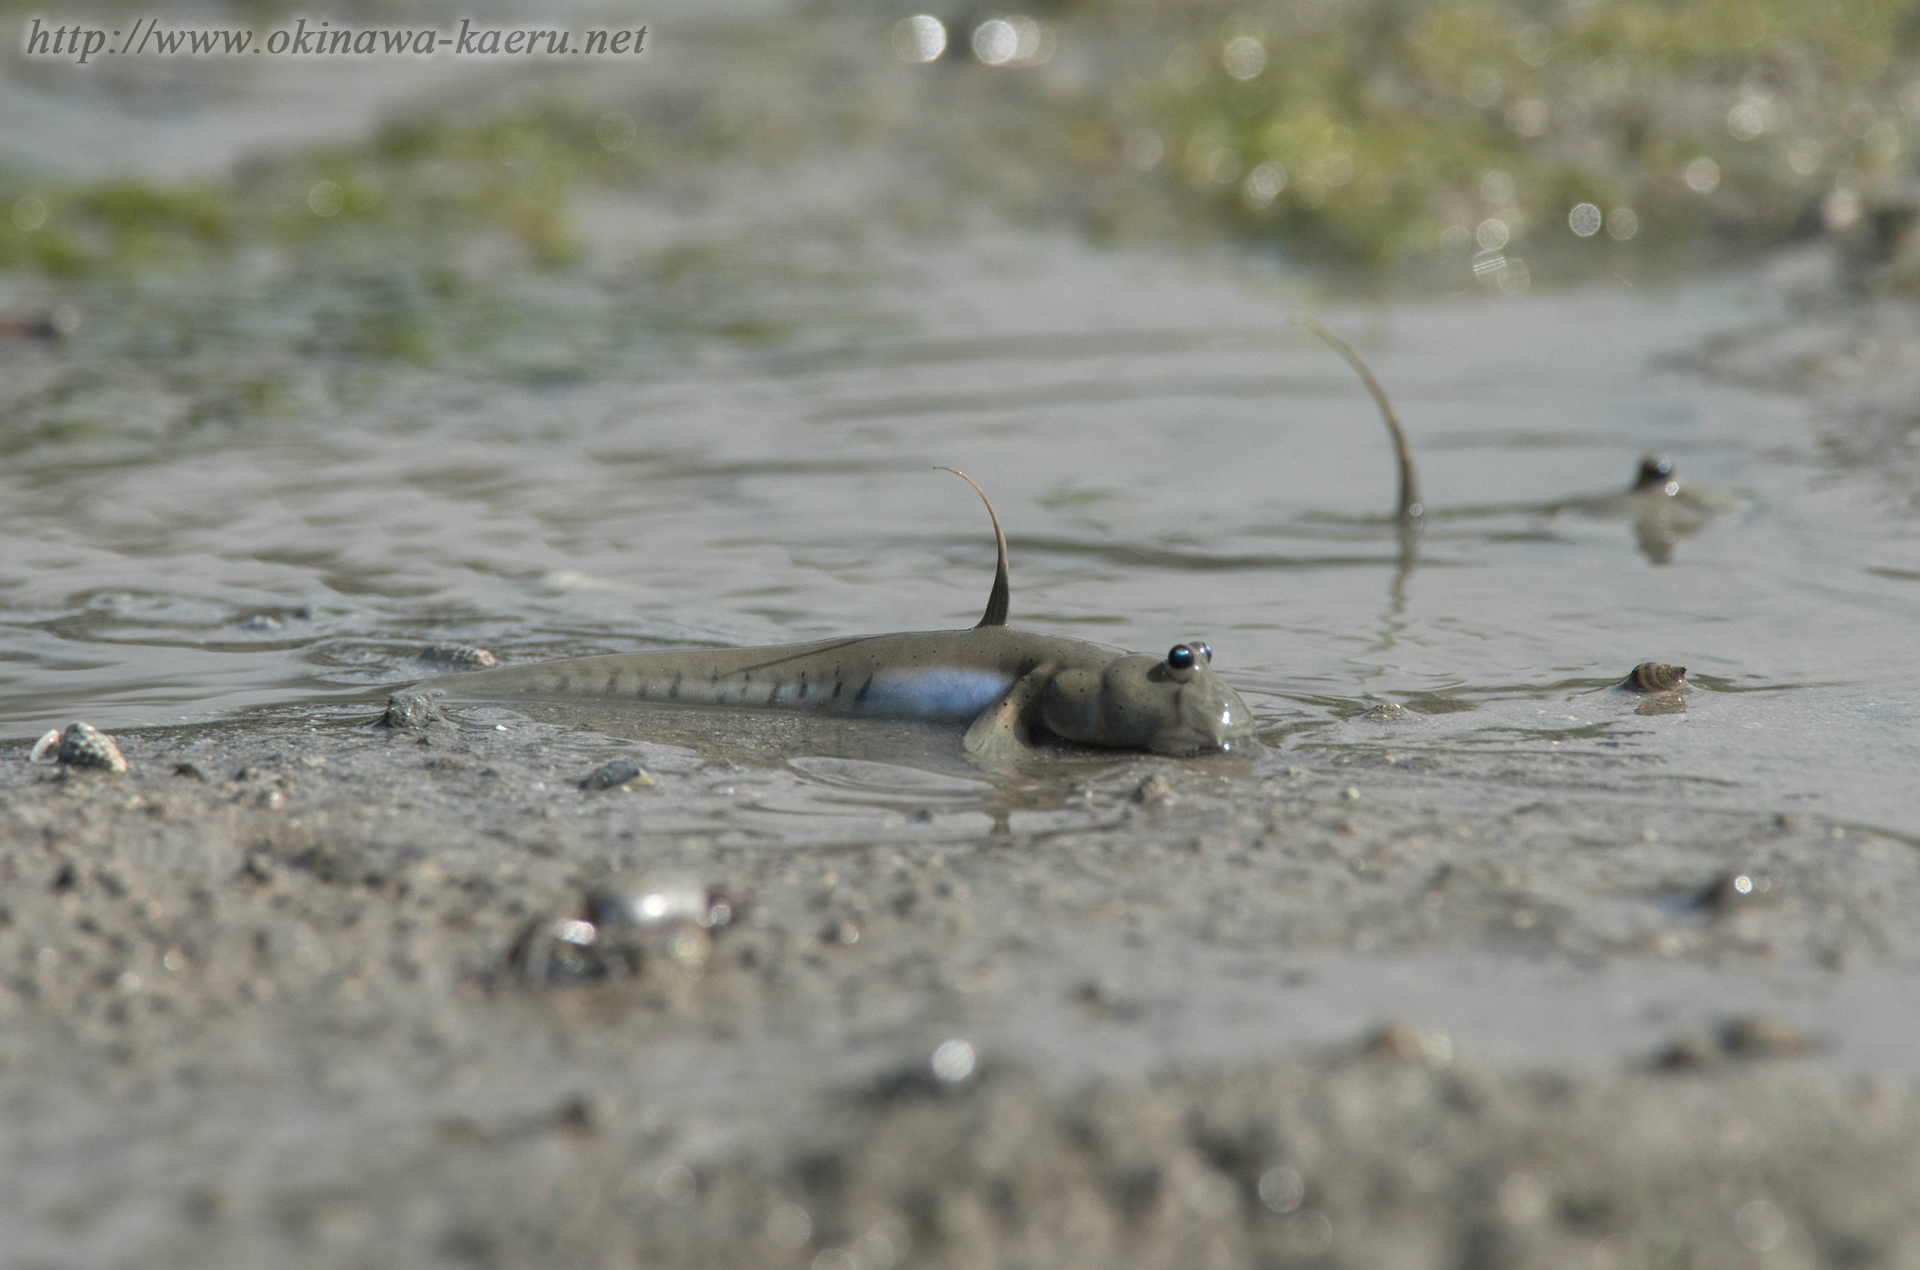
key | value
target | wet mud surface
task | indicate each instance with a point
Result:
(318, 991)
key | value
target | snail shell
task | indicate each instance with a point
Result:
(1653, 676)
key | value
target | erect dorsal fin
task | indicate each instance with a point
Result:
(996, 614)
(1409, 507)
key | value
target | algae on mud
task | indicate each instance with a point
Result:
(1407, 135)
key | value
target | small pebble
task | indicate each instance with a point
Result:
(82, 745)
(1761, 1036)
(1747, 1036)
(1154, 791)
(1408, 1043)
(619, 774)
(1691, 1051)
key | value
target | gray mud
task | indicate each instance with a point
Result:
(278, 995)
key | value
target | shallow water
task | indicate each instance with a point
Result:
(1171, 460)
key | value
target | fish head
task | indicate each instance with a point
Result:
(1656, 476)
(1170, 705)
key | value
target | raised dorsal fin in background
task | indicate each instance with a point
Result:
(996, 614)
(1409, 508)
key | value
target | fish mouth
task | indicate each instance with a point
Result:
(1218, 739)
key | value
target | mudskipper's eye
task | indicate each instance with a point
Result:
(1206, 653)
(1180, 657)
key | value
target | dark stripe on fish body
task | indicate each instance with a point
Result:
(861, 696)
(673, 693)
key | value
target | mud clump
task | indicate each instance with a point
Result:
(411, 712)
(623, 774)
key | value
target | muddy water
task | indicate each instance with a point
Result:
(1171, 460)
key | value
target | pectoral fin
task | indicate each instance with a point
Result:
(999, 736)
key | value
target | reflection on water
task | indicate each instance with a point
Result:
(803, 780)
(1661, 508)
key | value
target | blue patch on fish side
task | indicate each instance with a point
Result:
(940, 694)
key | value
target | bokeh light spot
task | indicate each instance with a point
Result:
(789, 1226)
(1244, 57)
(920, 38)
(995, 42)
(1702, 175)
(1841, 207)
(1282, 1189)
(1142, 150)
(953, 1061)
(1263, 185)
(29, 214)
(326, 198)
(1759, 1226)
(616, 131)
